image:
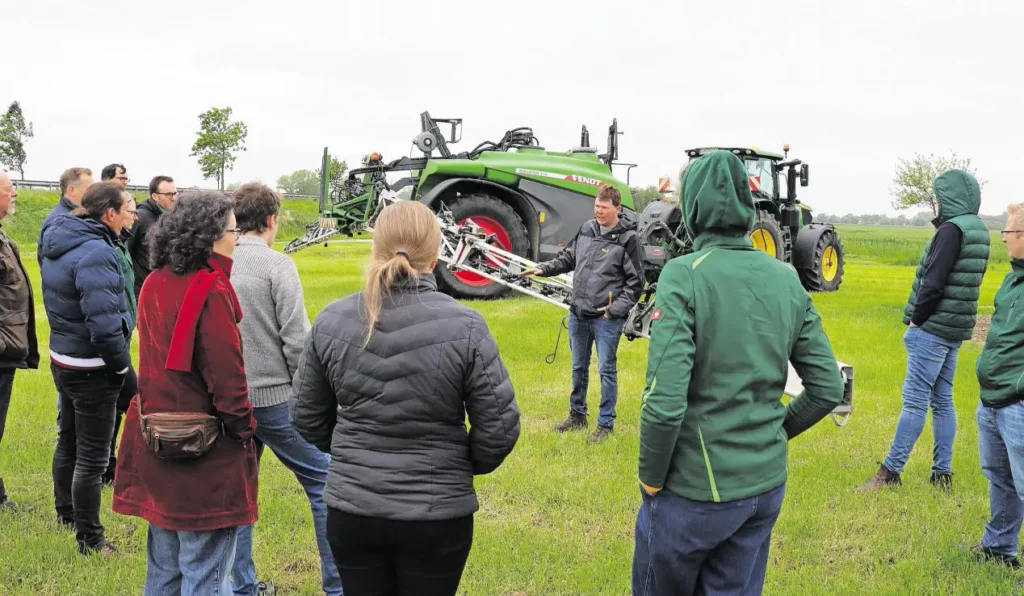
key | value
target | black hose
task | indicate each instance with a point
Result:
(550, 358)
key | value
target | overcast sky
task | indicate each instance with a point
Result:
(851, 87)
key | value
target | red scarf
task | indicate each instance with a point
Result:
(183, 339)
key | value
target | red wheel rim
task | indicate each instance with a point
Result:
(489, 226)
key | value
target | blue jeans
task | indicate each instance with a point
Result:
(695, 547)
(1001, 450)
(179, 562)
(583, 334)
(931, 364)
(309, 464)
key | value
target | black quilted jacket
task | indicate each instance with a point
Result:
(393, 415)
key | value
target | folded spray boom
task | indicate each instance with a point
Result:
(468, 248)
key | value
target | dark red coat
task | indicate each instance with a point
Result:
(201, 370)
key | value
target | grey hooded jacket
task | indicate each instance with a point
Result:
(602, 263)
(393, 415)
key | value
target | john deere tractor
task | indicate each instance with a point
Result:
(785, 227)
(532, 200)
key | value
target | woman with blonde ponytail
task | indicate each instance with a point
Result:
(386, 382)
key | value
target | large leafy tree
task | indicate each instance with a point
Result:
(299, 182)
(14, 132)
(914, 177)
(217, 141)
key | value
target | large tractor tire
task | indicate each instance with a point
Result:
(824, 271)
(497, 218)
(767, 235)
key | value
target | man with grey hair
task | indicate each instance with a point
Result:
(18, 344)
(73, 183)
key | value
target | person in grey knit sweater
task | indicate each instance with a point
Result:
(274, 326)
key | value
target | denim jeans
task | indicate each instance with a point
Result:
(1001, 451)
(83, 446)
(583, 334)
(931, 364)
(694, 547)
(179, 562)
(309, 464)
(6, 385)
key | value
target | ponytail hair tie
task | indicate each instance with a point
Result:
(404, 254)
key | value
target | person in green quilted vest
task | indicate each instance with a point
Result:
(940, 312)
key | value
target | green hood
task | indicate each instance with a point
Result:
(958, 193)
(716, 197)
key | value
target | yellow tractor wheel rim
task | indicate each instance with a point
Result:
(829, 264)
(762, 240)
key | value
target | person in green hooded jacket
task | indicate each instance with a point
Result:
(1000, 413)
(940, 313)
(131, 380)
(727, 321)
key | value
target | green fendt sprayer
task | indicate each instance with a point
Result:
(502, 207)
(530, 199)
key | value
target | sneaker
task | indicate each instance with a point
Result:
(265, 588)
(883, 477)
(104, 548)
(600, 433)
(986, 553)
(575, 421)
(9, 506)
(942, 480)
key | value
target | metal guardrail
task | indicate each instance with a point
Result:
(55, 185)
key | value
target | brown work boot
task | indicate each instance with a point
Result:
(575, 421)
(600, 433)
(881, 478)
(988, 554)
(942, 481)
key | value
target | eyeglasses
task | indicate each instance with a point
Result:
(237, 232)
(1011, 231)
(134, 214)
(125, 178)
(167, 194)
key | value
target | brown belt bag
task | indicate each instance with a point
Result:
(179, 435)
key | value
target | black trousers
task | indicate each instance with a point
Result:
(128, 391)
(382, 557)
(6, 385)
(88, 403)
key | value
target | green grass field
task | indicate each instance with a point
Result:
(558, 517)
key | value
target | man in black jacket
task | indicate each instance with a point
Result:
(607, 264)
(18, 344)
(162, 196)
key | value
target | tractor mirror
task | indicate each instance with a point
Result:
(804, 174)
(456, 135)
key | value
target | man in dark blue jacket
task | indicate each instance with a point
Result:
(84, 296)
(73, 183)
(607, 264)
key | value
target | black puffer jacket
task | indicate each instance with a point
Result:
(602, 263)
(393, 416)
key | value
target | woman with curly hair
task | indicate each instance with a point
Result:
(194, 487)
